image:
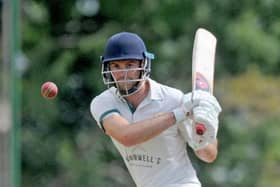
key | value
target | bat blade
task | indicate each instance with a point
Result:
(203, 63)
(203, 60)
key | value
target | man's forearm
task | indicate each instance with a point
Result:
(147, 129)
(139, 132)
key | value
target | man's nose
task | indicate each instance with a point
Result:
(122, 72)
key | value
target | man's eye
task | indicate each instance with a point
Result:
(114, 66)
(130, 65)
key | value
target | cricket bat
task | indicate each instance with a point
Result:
(203, 63)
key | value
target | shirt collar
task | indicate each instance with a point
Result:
(155, 90)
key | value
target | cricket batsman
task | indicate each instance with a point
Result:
(144, 118)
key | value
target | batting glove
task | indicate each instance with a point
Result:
(191, 100)
(188, 132)
(205, 110)
(206, 113)
(183, 112)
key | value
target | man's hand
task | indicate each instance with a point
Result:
(203, 108)
(207, 113)
(184, 111)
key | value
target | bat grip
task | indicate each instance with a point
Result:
(200, 129)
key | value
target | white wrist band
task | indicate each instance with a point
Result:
(179, 114)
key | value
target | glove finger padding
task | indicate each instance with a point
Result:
(181, 113)
(189, 103)
(195, 141)
(203, 108)
(202, 97)
(185, 129)
(208, 116)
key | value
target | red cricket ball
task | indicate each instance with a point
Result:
(49, 90)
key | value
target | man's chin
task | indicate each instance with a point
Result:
(124, 90)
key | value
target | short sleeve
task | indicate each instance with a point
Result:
(101, 108)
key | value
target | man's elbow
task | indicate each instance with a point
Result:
(127, 140)
(126, 143)
(123, 137)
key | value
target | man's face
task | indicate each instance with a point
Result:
(125, 72)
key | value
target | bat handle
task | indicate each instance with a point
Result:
(200, 129)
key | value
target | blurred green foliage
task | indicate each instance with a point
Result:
(61, 143)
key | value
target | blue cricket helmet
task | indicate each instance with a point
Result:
(124, 46)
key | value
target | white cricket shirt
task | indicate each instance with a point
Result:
(161, 161)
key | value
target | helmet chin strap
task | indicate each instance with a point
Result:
(131, 91)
